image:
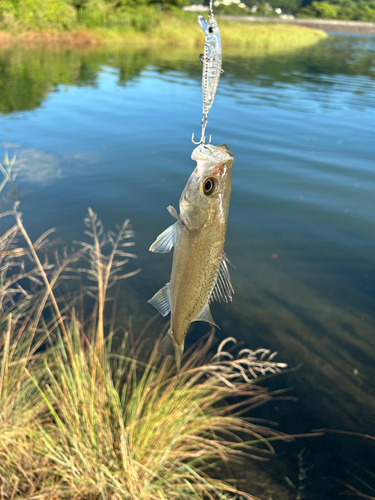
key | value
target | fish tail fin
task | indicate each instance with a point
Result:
(178, 353)
(168, 348)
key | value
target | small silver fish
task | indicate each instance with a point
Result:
(199, 270)
(212, 60)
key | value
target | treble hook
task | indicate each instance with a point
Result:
(202, 141)
(203, 138)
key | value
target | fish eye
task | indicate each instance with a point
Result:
(208, 186)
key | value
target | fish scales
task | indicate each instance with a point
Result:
(196, 261)
(199, 270)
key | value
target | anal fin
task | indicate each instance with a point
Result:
(162, 300)
(205, 315)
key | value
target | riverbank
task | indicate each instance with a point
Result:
(176, 30)
(327, 25)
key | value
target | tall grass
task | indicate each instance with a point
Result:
(184, 30)
(142, 18)
(81, 419)
(146, 26)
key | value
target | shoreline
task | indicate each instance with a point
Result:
(175, 31)
(326, 25)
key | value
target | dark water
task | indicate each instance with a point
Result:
(110, 128)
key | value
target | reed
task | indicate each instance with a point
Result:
(81, 419)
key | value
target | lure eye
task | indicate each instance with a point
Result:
(210, 29)
(208, 186)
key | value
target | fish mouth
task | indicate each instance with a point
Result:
(209, 152)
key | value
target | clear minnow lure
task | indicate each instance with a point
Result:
(211, 59)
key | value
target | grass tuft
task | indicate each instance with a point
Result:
(81, 419)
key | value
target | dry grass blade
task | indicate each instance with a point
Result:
(81, 422)
(153, 435)
(105, 268)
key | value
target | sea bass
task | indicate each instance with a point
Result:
(199, 270)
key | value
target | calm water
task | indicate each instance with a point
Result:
(110, 129)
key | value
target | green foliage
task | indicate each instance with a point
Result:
(7, 6)
(288, 6)
(364, 13)
(340, 9)
(140, 15)
(38, 14)
(96, 14)
(231, 10)
(319, 10)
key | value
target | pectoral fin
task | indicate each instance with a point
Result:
(173, 212)
(165, 241)
(223, 289)
(205, 315)
(162, 300)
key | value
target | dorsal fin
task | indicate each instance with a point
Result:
(165, 241)
(162, 300)
(223, 289)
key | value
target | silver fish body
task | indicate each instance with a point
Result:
(199, 270)
(212, 60)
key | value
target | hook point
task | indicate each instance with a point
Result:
(192, 139)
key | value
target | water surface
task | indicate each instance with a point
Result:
(110, 128)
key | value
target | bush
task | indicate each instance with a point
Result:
(97, 14)
(364, 13)
(320, 10)
(343, 9)
(234, 9)
(43, 14)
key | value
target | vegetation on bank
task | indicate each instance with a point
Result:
(175, 30)
(92, 21)
(341, 9)
(356, 10)
(178, 30)
(80, 418)
(99, 21)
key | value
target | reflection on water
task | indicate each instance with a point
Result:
(110, 128)
(27, 77)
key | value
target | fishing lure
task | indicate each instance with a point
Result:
(212, 60)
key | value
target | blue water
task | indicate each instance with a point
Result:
(110, 128)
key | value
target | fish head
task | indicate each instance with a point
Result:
(207, 192)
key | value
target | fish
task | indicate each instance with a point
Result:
(199, 270)
(212, 60)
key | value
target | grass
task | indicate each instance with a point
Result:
(175, 29)
(80, 418)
